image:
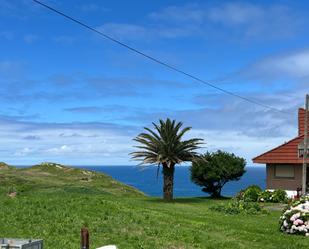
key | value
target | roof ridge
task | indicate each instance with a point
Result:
(278, 147)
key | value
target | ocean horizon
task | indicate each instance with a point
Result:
(146, 180)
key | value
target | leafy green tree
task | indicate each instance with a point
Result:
(164, 145)
(213, 170)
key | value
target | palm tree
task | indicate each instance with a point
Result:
(164, 146)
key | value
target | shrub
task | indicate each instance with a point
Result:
(295, 218)
(238, 207)
(240, 195)
(265, 196)
(279, 195)
(276, 196)
(252, 193)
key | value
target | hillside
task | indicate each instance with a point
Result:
(53, 202)
(51, 177)
(4, 166)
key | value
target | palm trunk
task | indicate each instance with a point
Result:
(168, 182)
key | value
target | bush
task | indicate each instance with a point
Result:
(240, 195)
(265, 196)
(295, 218)
(238, 207)
(276, 196)
(279, 195)
(252, 193)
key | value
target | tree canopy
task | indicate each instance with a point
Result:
(213, 170)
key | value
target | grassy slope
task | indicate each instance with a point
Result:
(55, 209)
(48, 177)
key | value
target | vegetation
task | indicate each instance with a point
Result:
(4, 166)
(51, 177)
(265, 196)
(213, 170)
(295, 218)
(279, 195)
(56, 202)
(239, 207)
(252, 193)
(276, 196)
(164, 146)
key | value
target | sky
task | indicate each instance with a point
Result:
(70, 96)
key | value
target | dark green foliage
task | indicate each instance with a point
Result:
(213, 170)
(240, 195)
(165, 146)
(279, 195)
(265, 196)
(252, 193)
(238, 207)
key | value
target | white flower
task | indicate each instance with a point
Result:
(298, 225)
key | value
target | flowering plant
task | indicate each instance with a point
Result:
(295, 218)
(277, 196)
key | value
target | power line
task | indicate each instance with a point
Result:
(171, 67)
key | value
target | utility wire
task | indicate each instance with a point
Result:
(171, 67)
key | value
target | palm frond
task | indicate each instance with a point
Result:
(164, 144)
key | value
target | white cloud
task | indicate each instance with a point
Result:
(238, 143)
(188, 13)
(71, 143)
(236, 13)
(238, 20)
(256, 21)
(23, 152)
(293, 65)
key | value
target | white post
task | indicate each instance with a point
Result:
(304, 180)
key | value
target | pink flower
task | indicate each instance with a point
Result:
(298, 222)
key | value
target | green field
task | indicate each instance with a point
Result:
(54, 202)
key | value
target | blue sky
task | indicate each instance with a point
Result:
(70, 96)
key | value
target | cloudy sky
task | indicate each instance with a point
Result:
(70, 96)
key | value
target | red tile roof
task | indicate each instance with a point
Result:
(287, 152)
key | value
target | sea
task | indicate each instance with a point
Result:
(147, 180)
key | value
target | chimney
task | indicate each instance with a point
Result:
(301, 121)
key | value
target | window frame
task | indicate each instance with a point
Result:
(284, 177)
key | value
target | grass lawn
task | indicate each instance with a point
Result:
(117, 214)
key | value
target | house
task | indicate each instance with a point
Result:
(284, 163)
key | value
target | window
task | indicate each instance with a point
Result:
(301, 149)
(301, 152)
(284, 171)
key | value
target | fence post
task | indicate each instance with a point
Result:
(84, 241)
